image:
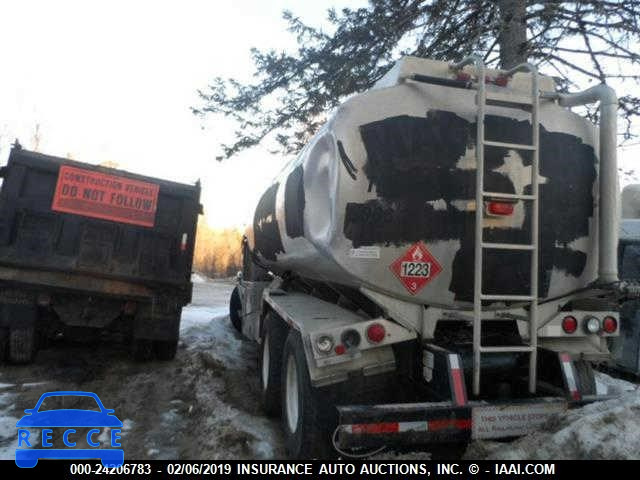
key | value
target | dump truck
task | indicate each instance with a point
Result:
(86, 249)
(438, 264)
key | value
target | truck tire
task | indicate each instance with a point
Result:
(586, 379)
(304, 415)
(142, 349)
(235, 310)
(165, 349)
(22, 343)
(274, 334)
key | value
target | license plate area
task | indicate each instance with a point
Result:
(499, 421)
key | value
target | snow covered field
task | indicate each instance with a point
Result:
(204, 404)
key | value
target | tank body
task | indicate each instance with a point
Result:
(384, 195)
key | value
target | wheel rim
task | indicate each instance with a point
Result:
(265, 362)
(291, 396)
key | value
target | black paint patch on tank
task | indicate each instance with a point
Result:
(265, 226)
(401, 222)
(411, 161)
(407, 155)
(346, 161)
(294, 203)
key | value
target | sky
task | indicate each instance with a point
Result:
(113, 81)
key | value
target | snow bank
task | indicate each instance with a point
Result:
(198, 278)
(7, 425)
(608, 430)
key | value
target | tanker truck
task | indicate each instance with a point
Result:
(438, 264)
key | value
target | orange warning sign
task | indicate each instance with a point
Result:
(98, 195)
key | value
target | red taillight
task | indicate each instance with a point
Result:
(499, 208)
(569, 324)
(609, 324)
(376, 333)
(501, 81)
(340, 349)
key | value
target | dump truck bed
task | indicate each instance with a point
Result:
(76, 219)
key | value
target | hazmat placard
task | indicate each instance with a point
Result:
(109, 197)
(416, 267)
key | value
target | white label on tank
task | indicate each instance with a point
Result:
(365, 252)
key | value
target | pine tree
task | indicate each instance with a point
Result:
(581, 43)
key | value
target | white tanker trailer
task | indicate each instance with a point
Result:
(438, 264)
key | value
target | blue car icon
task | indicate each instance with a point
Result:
(67, 419)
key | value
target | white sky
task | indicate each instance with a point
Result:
(114, 80)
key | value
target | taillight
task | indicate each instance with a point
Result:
(324, 343)
(569, 324)
(340, 349)
(501, 80)
(609, 324)
(499, 208)
(350, 338)
(591, 325)
(376, 333)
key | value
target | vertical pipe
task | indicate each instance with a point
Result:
(608, 174)
(609, 214)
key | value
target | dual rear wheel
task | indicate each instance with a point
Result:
(287, 391)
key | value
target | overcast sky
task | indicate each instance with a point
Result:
(114, 80)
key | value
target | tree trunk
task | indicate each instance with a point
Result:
(513, 32)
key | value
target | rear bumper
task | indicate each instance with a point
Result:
(429, 423)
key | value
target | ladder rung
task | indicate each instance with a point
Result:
(509, 298)
(508, 246)
(515, 146)
(523, 348)
(509, 196)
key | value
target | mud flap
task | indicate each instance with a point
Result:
(159, 320)
(577, 377)
(443, 374)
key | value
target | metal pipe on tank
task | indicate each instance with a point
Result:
(609, 207)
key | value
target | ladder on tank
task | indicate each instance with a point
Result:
(480, 245)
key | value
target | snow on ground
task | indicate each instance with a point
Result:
(205, 403)
(603, 430)
(606, 385)
(7, 422)
(198, 278)
(202, 405)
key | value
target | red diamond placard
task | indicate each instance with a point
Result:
(416, 268)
